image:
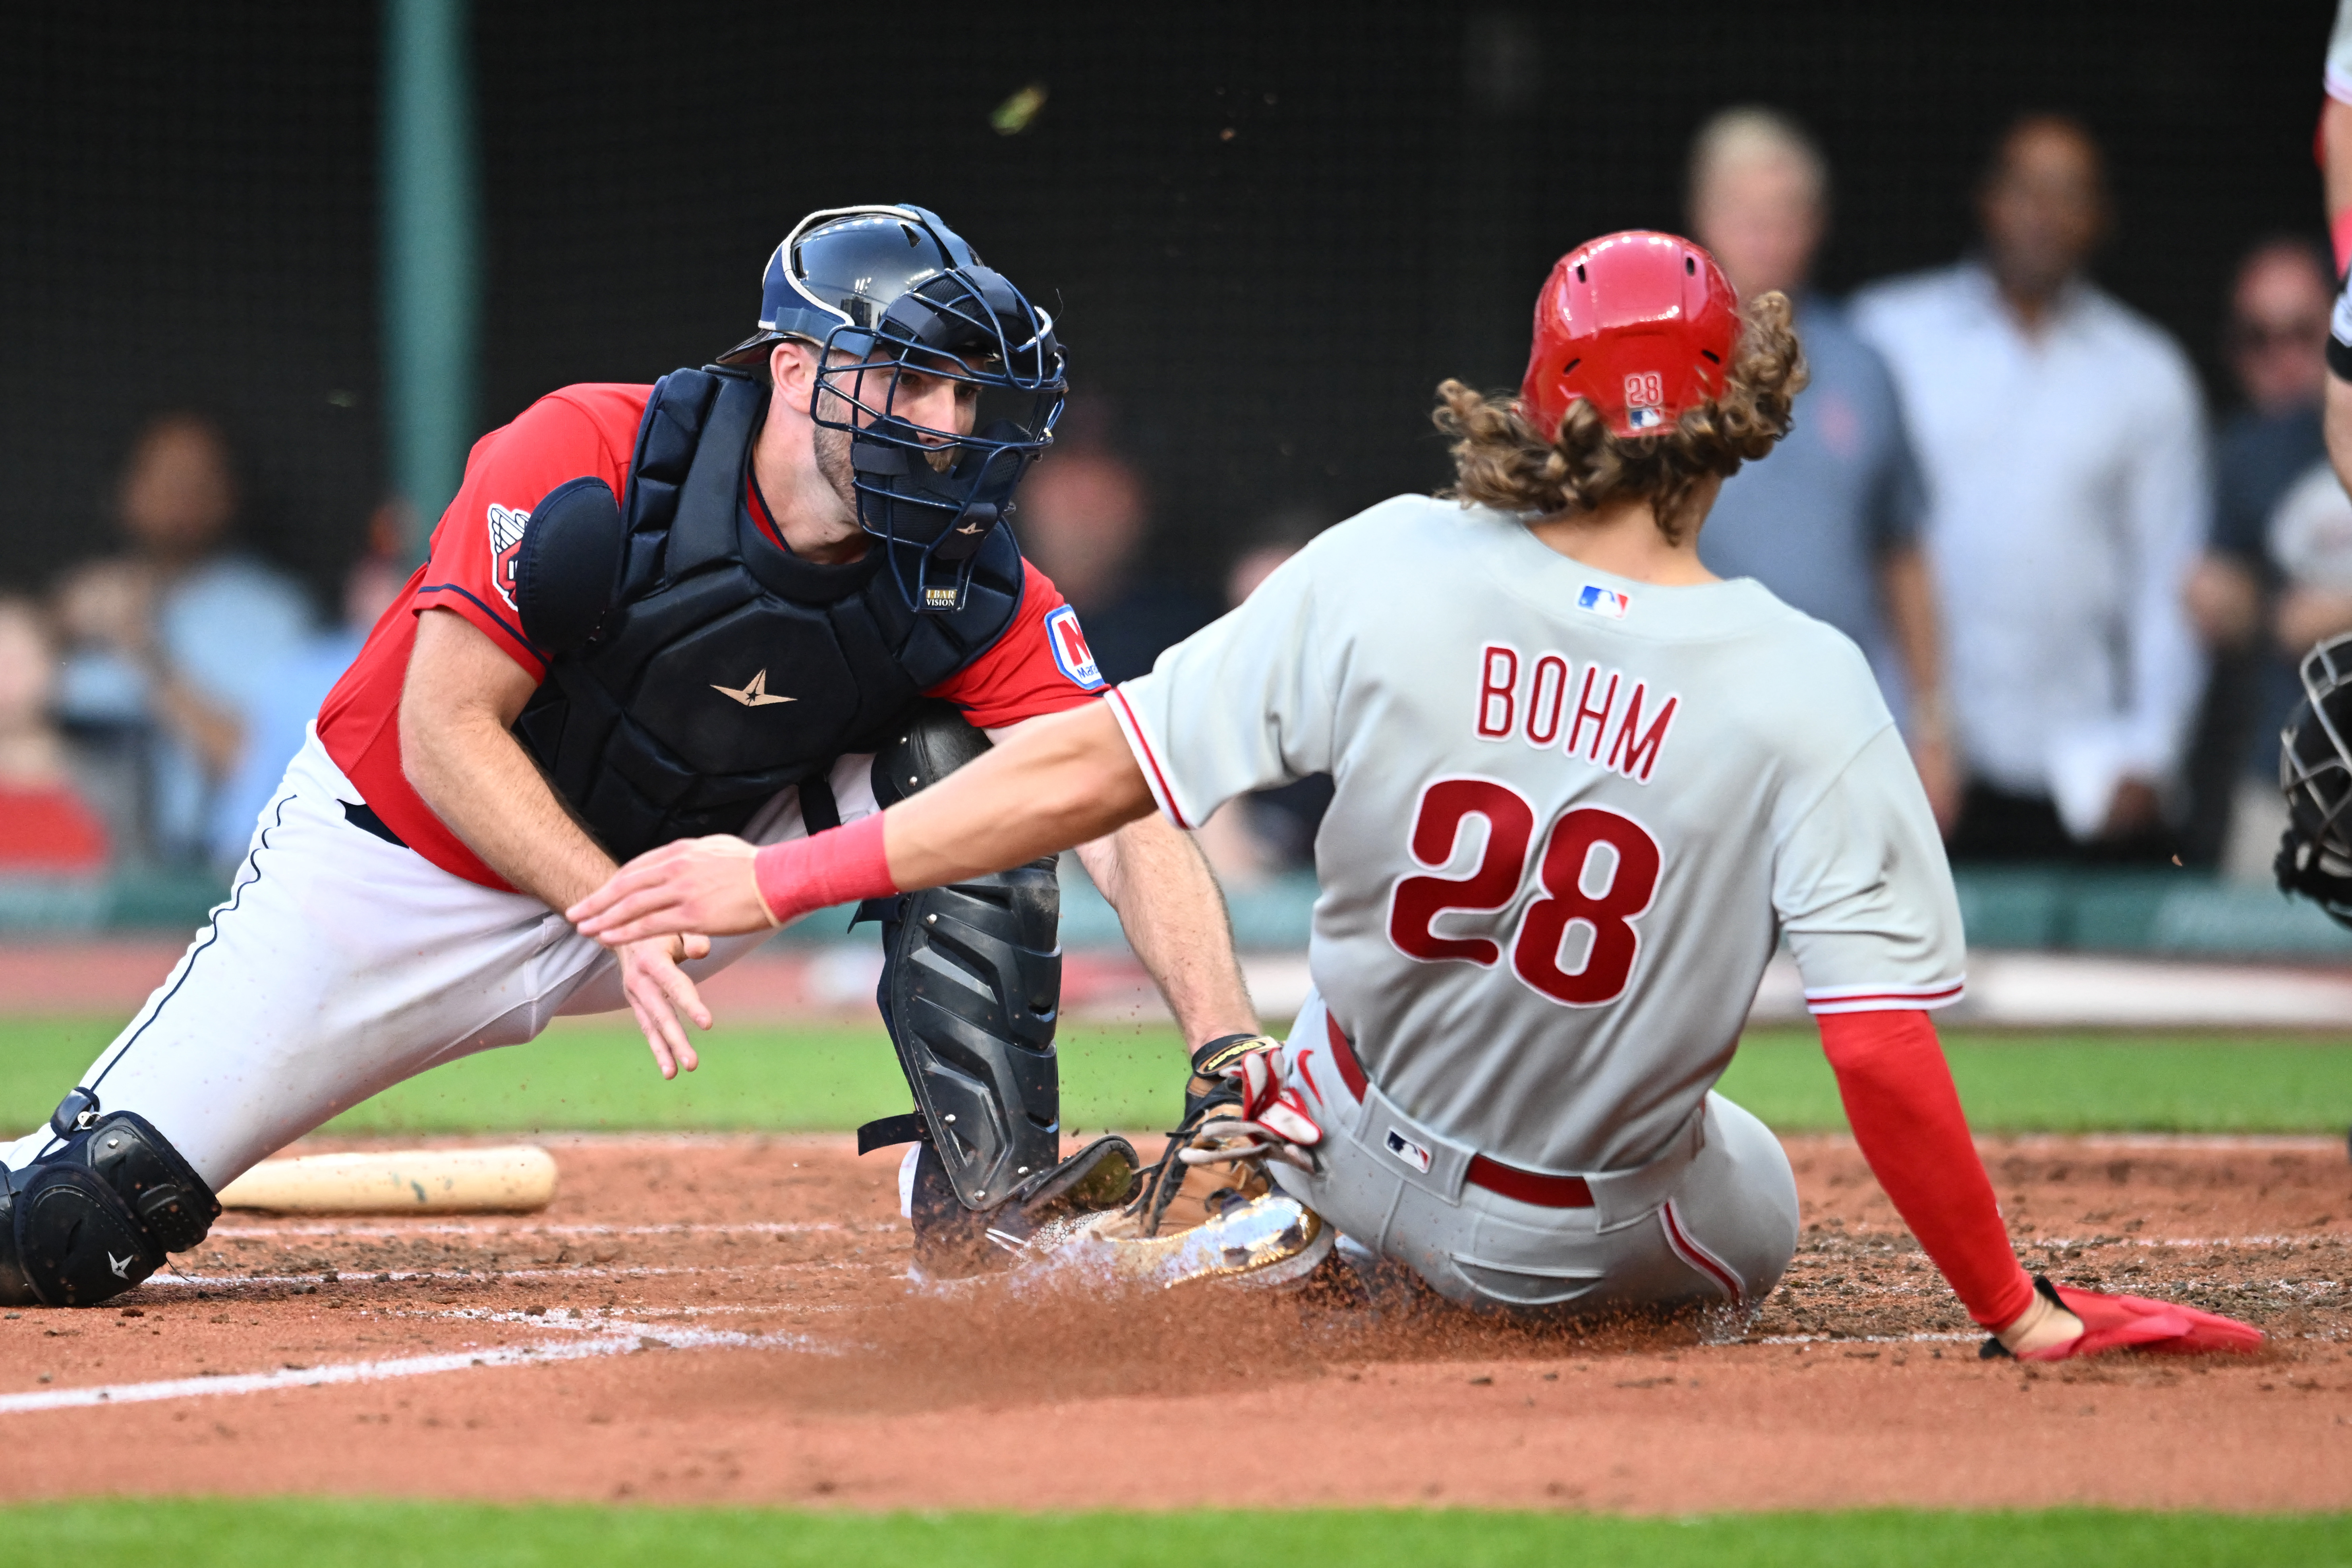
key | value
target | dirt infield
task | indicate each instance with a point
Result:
(727, 1319)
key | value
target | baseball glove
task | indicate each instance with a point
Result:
(1237, 1114)
(2135, 1322)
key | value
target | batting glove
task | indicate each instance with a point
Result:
(2135, 1322)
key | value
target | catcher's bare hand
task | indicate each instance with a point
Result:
(660, 991)
(702, 885)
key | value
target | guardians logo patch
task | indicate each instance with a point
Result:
(1070, 651)
(505, 543)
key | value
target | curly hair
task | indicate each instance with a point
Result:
(1500, 460)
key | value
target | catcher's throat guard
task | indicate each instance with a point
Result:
(2315, 856)
(887, 293)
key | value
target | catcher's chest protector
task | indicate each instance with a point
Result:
(728, 668)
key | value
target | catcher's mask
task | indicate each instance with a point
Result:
(2315, 856)
(884, 291)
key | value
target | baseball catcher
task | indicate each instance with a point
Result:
(761, 598)
(1583, 789)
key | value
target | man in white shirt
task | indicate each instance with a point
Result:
(2063, 437)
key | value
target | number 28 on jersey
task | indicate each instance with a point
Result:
(1596, 871)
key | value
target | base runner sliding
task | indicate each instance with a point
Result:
(1583, 788)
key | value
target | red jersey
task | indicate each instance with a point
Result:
(1038, 665)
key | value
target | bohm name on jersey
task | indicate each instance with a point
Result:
(1598, 715)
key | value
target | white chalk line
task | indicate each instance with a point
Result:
(599, 1339)
(488, 1275)
(449, 1228)
(2052, 1243)
(1859, 1340)
(553, 1317)
(399, 1229)
(2064, 1143)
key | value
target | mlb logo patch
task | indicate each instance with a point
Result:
(1604, 601)
(1645, 418)
(1071, 655)
(1411, 1152)
(505, 543)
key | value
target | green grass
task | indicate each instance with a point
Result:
(319, 1533)
(2080, 1083)
(595, 1075)
(598, 1076)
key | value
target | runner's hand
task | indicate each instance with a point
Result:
(2085, 1322)
(691, 885)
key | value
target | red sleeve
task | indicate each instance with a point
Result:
(586, 430)
(1906, 1116)
(1040, 665)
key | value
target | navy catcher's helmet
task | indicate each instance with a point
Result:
(880, 289)
(2315, 856)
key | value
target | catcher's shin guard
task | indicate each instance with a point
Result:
(971, 987)
(98, 1216)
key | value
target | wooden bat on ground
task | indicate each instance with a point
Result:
(514, 1179)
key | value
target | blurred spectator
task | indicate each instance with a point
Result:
(1082, 515)
(2310, 537)
(165, 641)
(1830, 521)
(2063, 438)
(2275, 342)
(46, 828)
(1254, 837)
(285, 698)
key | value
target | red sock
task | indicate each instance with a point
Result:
(839, 866)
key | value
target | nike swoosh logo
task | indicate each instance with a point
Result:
(121, 1266)
(752, 693)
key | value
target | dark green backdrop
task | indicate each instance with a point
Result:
(1268, 229)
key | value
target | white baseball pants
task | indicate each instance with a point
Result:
(340, 965)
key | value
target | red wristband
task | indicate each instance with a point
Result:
(839, 866)
(1906, 1116)
(2339, 230)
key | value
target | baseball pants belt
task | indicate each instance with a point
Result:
(1621, 1197)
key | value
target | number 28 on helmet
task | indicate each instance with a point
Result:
(1639, 324)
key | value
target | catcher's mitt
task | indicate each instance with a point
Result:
(1237, 1112)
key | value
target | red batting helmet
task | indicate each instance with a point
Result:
(1640, 325)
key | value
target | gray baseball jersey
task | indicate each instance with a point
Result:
(1573, 814)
